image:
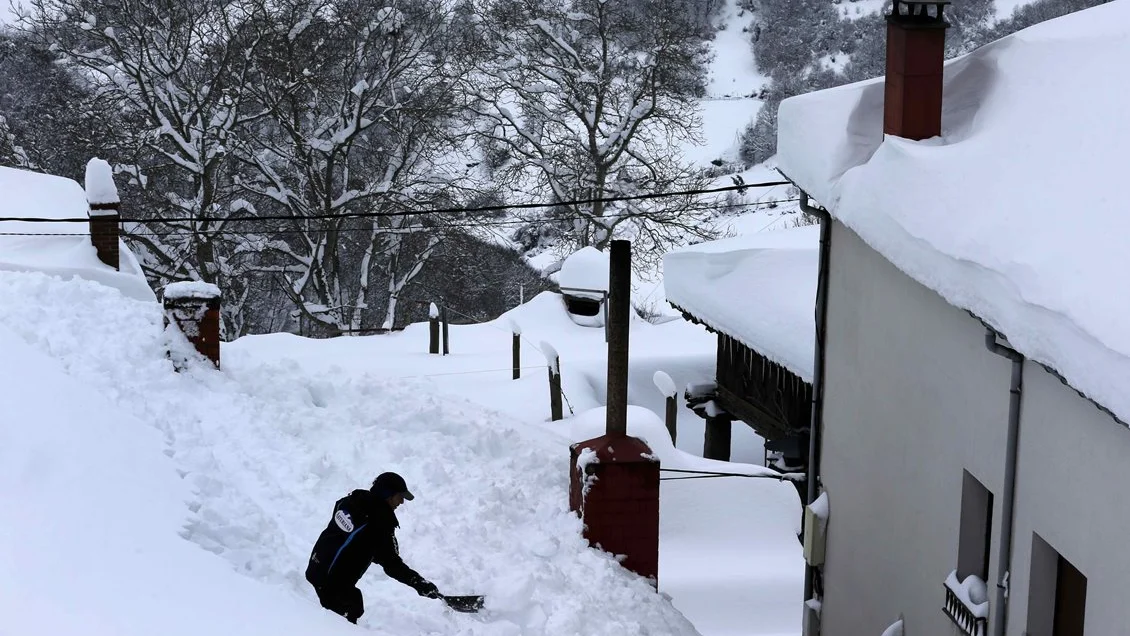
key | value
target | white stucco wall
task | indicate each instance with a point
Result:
(1073, 470)
(913, 397)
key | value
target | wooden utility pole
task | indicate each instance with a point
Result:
(619, 318)
(433, 329)
(443, 321)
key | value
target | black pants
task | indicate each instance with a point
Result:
(346, 601)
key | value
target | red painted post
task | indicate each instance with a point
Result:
(195, 309)
(614, 487)
(614, 478)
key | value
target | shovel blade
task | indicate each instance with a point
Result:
(464, 603)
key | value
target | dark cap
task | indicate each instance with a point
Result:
(389, 484)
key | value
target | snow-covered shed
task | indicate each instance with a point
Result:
(583, 280)
(758, 293)
(61, 248)
(975, 317)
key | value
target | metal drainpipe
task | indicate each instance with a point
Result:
(817, 413)
(1004, 556)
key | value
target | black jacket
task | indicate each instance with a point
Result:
(361, 531)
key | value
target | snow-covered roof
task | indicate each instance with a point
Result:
(759, 289)
(35, 195)
(1014, 213)
(586, 268)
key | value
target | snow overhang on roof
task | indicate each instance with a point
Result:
(1013, 213)
(760, 289)
(69, 252)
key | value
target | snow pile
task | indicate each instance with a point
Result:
(193, 289)
(92, 512)
(982, 215)
(35, 195)
(973, 592)
(760, 289)
(264, 448)
(665, 384)
(100, 188)
(588, 268)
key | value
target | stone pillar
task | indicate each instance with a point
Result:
(195, 308)
(105, 217)
(614, 487)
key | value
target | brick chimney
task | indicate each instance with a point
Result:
(105, 220)
(916, 45)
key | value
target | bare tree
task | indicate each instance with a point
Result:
(591, 100)
(359, 136)
(180, 70)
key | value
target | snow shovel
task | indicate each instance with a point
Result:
(468, 604)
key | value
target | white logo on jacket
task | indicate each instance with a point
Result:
(343, 520)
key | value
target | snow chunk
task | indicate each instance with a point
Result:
(981, 215)
(665, 384)
(191, 289)
(100, 188)
(515, 328)
(587, 268)
(972, 592)
(759, 288)
(894, 630)
(433, 311)
(551, 357)
(819, 507)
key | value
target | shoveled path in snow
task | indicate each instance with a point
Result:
(267, 448)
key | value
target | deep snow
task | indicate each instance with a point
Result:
(30, 194)
(263, 448)
(759, 288)
(981, 214)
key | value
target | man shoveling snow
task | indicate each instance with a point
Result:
(361, 531)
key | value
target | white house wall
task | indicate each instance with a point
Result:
(1072, 474)
(913, 397)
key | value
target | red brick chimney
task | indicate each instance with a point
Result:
(916, 46)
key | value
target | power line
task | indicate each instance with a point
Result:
(280, 232)
(487, 208)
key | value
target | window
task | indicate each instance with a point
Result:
(1057, 593)
(967, 595)
(976, 529)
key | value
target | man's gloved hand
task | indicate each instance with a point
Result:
(429, 590)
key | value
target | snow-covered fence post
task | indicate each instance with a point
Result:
(195, 309)
(516, 348)
(443, 323)
(554, 362)
(105, 218)
(433, 329)
(614, 478)
(667, 387)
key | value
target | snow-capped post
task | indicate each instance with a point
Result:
(516, 348)
(105, 217)
(194, 307)
(433, 329)
(554, 362)
(667, 387)
(443, 326)
(614, 478)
